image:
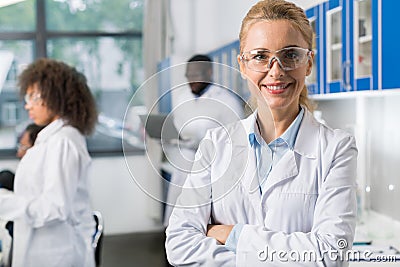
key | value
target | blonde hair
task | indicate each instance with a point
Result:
(280, 10)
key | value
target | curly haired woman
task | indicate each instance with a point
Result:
(50, 206)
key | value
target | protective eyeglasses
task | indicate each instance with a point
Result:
(23, 147)
(32, 98)
(289, 58)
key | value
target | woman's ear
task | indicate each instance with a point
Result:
(310, 63)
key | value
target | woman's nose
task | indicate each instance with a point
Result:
(275, 68)
(27, 106)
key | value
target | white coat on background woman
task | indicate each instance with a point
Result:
(50, 206)
(278, 188)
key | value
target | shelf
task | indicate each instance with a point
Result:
(379, 228)
(336, 46)
(365, 39)
(355, 94)
(363, 76)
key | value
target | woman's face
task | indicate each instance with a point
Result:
(36, 107)
(278, 88)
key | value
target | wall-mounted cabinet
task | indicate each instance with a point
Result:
(355, 44)
(314, 79)
(363, 39)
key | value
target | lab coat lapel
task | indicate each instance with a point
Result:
(243, 153)
(286, 168)
(252, 187)
(309, 131)
(304, 146)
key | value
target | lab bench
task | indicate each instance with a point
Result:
(380, 235)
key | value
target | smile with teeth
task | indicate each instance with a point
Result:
(276, 87)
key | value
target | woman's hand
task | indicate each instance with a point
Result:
(219, 232)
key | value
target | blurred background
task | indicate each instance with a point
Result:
(121, 45)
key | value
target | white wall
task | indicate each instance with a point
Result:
(125, 207)
(200, 26)
(377, 129)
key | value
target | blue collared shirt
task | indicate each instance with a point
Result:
(267, 156)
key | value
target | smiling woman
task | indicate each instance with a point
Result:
(278, 179)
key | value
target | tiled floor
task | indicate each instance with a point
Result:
(140, 249)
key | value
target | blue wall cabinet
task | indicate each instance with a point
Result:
(338, 64)
(364, 36)
(387, 26)
(355, 44)
(313, 81)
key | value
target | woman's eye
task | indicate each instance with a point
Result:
(260, 57)
(291, 55)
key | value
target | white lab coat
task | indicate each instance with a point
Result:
(53, 221)
(5, 239)
(309, 201)
(215, 107)
(193, 116)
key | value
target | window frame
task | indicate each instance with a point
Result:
(41, 36)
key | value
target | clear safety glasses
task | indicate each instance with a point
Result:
(289, 58)
(22, 147)
(32, 98)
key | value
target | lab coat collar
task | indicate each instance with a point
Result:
(287, 167)
(305, 140)
(308, 133)
(49, 130)
(243, 153)
(242, 130)
(288, 137)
